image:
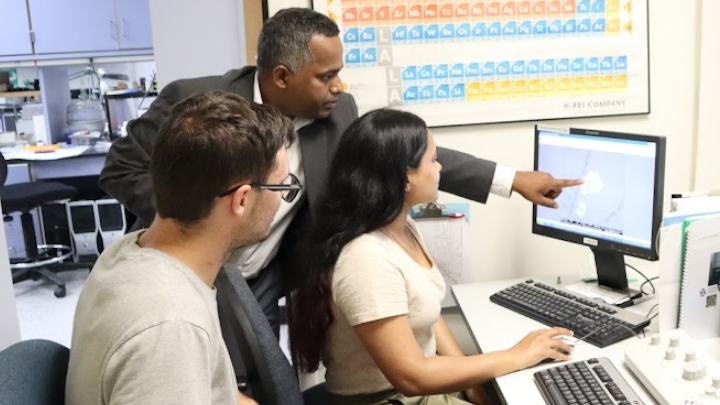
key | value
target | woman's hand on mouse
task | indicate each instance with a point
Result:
(539, 345)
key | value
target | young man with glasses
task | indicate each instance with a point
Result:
(146, 328)
(300, 56)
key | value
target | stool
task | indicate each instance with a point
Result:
(41, 261)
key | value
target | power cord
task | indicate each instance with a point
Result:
(650, 311)
(653, 317)
(651, 284)
(601, 328)
(647, 280)
(643, 295)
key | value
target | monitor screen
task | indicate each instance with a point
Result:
(619, 206)
(111, 217)
(83, 218)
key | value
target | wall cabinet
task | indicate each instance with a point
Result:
(133, 18)
(14, 29)
(74, 27)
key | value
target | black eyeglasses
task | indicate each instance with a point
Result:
(289, 189)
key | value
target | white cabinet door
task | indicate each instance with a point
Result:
(135, 31)
(74, 25)
(14, 29)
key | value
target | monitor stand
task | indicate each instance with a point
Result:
(611, 272)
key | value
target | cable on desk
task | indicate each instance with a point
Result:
(653, 317)
(647, 280)
(650, 311)
(642, 286)
(601, 328)
(622, 304)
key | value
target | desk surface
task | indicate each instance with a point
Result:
(497, 328)
(55, 166)
(19, 154)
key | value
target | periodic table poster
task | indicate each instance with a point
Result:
(456, 62)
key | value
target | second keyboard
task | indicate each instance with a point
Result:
(557, 306)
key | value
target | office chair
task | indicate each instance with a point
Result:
(263, 371)
(33, 372)
(41, 261)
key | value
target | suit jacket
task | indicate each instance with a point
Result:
(126, 175)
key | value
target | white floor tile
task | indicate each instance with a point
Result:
(41, 314)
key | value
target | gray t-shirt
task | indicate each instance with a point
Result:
(146, 332)
(373, 279)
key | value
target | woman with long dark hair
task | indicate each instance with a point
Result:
(368, 303)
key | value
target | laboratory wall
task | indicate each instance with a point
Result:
(197, 38)
(708, 146)
(684, 108)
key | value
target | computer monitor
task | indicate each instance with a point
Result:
(618, 210)
(83, 229)
(111, 221)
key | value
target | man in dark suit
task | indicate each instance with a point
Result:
(300, 56)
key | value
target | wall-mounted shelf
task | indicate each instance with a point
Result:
(11, 94)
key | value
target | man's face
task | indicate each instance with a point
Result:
(315, 89)
(265, 203)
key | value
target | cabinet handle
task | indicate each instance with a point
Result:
(113, 30)
(122, 28)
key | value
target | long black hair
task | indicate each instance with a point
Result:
(365, 191)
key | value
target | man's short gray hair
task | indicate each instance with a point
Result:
(285, 38)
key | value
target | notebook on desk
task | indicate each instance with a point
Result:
(671, 248)
(699, 310)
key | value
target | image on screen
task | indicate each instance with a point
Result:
(714, 273)
(616, 201)
(83, 218)
(110, 217)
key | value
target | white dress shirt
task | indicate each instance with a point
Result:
(253, 258)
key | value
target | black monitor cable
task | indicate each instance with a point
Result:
(650, 311)
(636, 300)
(647, 280)
(592, 332)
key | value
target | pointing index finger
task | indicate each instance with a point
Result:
(562, 183)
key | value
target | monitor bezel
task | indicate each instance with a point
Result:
(650, 253)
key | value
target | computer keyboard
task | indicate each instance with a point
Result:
(593, 381)
(557, 306)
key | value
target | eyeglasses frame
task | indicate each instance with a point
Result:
(294, 185)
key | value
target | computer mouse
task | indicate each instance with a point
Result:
(567, 340)
(550, 359)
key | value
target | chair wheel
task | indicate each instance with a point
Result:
(60, 292)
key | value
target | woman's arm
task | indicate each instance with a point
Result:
(393, 347)
(446, 343)
(447, 346)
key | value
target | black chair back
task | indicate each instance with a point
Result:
(3, 171)
(253, 347)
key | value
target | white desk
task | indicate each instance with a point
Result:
(496, 328)
(89, 163)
